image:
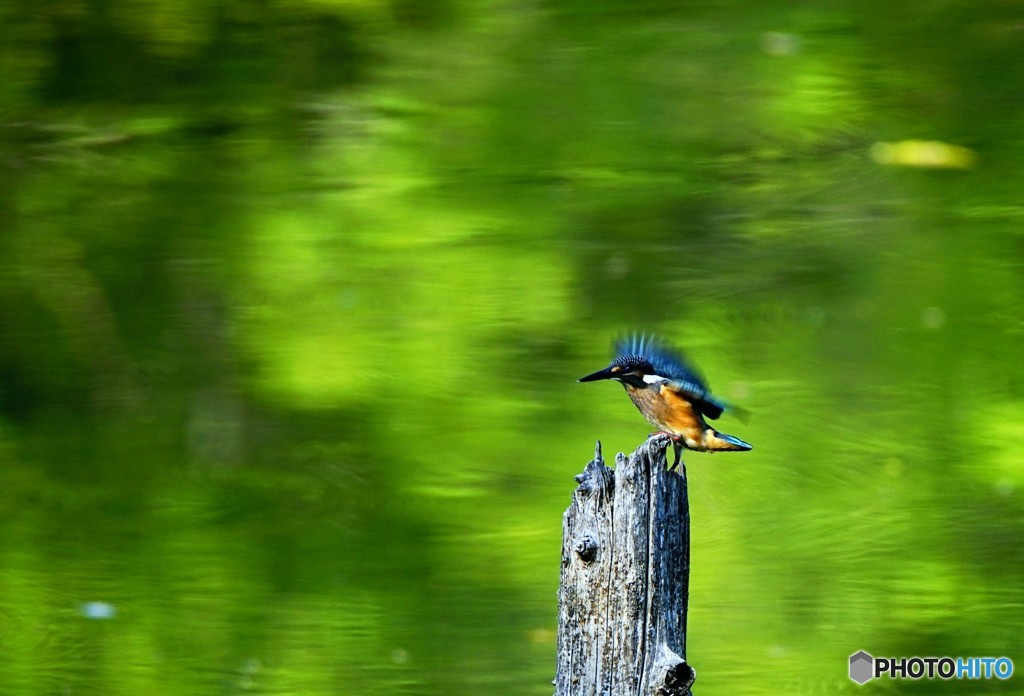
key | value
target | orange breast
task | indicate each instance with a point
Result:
(667, 410)
(679, 415)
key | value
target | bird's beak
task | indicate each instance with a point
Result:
(600, 374)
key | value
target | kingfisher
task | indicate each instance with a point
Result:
(670, 394)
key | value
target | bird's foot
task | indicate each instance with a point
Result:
(677, 445)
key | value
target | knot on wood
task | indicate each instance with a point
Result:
(678, 680)
(595, 479)
(586, 548)
(590, 485)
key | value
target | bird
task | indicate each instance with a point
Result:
(670, 394)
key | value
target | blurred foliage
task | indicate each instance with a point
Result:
(294, 295)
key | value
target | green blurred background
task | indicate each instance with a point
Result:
(294, 295)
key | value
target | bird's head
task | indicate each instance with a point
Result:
(632, 370)
(643, 361)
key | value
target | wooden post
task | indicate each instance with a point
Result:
(625, 580)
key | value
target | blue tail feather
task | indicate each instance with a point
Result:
(736, 442)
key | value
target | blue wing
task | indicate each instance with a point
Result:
(672, 365)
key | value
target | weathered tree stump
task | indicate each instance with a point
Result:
(625, 580)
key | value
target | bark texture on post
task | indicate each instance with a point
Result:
(625, 580)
